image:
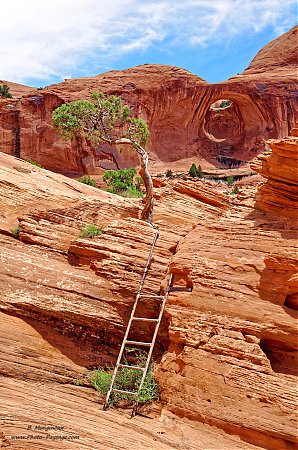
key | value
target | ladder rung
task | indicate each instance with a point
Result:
(124, 392)
(138, 343)
(131, 367)
(144, 319)
(151, 296)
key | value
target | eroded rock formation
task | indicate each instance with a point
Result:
(279, 164)
(226, 351)
(176, 105)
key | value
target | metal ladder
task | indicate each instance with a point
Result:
(150, 345)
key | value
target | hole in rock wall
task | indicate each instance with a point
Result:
(283, 359)
(291, 301)
(223, 120)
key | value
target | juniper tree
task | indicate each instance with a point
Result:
(107, 119)
(4, 91)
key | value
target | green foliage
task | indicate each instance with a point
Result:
(230, 180)
(121, 182)
(16, 231)
(103, 119)
(195, 172)
(127, 380)
(90, 231)
(34, 163)
(199, 172)
(235, 190)
(225, 103)
(4, 91)
(169, 173)
(86, 179)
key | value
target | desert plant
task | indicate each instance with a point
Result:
(235, 190)
(4, 91)
(34, 163)
(90, 231)
(86, 179)
(225, 103)
(16, 231)
(122, 182)
(169, 173)
(106, 119)
(199, 171)
(230, 180)
(193, 170)
(129, 380)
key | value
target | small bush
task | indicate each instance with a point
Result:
(4, 91)
(235, 190)
(34, 163)
(123, 182)
(86, 179)
(169, 173)
(195, 172)
(225, 103)
(90, 231)
(230, 180)
(127, 380)
(16, 231)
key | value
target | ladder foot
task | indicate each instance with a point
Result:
(134, 410)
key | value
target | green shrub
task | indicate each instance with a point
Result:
(4, 91)
(123, 182)
(195, 172)
(225, 103)
(127, 380)
(230, 180)
(169, 173)
(199, 172)
(86, 179)
(235, 190)
(16, 231)
(34, 163)
(90, 231)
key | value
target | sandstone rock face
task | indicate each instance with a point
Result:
(279, 165)
(226, 350)
(176, 105)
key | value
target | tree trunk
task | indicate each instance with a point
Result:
(147, 213)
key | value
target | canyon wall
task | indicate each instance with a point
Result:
(176, 105)
(226, 352)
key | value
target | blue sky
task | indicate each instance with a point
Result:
(44, 42)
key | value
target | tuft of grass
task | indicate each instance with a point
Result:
(90, 231)
(35, 163)
(86, 179)
(230, 180)
(127, 380)
(234, 191)
(169, 173)
(16, 231)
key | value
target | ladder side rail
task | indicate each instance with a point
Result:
(130, 321)
(152, 344)
(148, 262)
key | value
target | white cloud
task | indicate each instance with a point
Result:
(41, 40)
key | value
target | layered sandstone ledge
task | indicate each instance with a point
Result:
(280, 166)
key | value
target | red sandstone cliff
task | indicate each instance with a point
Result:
(176, 105)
